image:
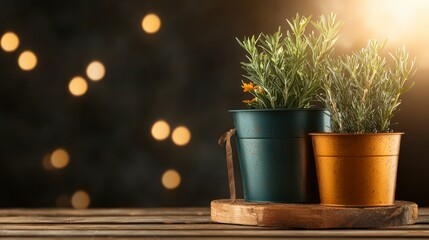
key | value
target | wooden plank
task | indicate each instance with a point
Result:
(156, 226)
(199, 238)
(106, 212)
(51, 218)
(106, 219)
(408, 227)
(216, 233)
(165, 223)
(423, 219)
(423, 211)
(163, 227)
(312, 216)
(123, 226)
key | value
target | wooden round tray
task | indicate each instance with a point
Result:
(312, 216)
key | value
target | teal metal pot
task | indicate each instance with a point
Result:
(276, 155)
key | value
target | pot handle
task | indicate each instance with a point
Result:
(226, 140)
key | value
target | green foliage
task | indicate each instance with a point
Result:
(286, 72)
(362, 90)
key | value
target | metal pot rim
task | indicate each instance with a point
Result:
(276, 110)
(355, 134)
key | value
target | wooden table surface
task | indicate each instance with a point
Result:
(181, 223)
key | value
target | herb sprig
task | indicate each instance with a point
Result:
(363, 90)
(286, 72)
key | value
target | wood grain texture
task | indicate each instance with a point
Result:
(105, 219)
(169, 223)
(312, 216)
(105, 212)
(217, 233)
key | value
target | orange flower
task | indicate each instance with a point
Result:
(249, 101)
(247, 87)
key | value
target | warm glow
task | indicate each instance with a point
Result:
(46, 162)
(27, 60)
(80, 199)
(9, 42)
(63, 201)
(95, 71)
(60, 158)
(393, 19)
(160, 130)
(400, 22)
(181, 136)
(171, 179)
(151, 23)
(78, 86)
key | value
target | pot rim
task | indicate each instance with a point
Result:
(354, 134)
(276, 109)
(356, 205)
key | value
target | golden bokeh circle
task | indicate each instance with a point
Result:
(95, 71)
(27, 60)
(9, 42)
(160, 130)
(151, 23)
(80, 200)
(78, 86)
(181, 136)
(60, 158)
(171, 179)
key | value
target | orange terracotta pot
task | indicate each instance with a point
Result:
(356, 170)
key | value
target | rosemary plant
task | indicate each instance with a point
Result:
(286, 72)
(362, 90)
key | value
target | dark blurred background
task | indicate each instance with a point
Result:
(144, 132)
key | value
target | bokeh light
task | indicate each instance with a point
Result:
(78, 86)
(63, 201)
(46, 162)
(80, 200)
(151, 23)
(9, 42)
(181, 136)
(171, 179)
(60, 158)
(160, 130)
(27, 60)
(95, 71)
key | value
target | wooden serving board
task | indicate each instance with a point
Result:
(312, 216)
